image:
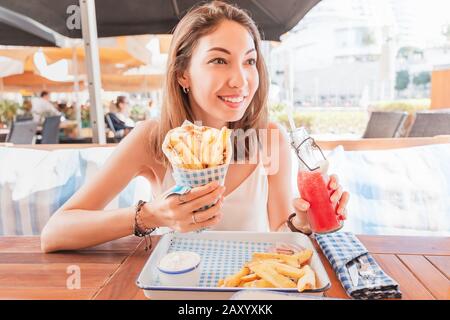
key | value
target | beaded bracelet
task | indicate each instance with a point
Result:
(142, 231)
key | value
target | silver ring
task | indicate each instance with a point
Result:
(193, 218)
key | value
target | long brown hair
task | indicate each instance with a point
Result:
(198, 22)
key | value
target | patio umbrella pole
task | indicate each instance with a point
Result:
(89, 31)
(76, 89)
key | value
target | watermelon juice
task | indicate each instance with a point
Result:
(322, 213)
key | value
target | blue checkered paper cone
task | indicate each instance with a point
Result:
(198, 155)
(344, 251)
(189, 178)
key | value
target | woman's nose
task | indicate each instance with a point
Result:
(238, 78)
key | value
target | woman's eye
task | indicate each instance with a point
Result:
(251, 61)
(218, 61)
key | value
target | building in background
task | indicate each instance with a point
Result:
(351, 52)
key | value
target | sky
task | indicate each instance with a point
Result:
(432, 15)
(426, 17)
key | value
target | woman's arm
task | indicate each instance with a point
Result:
(81, 221)
(279, 204)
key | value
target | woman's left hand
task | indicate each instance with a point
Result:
(338, 197)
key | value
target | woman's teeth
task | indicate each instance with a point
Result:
(233, 100)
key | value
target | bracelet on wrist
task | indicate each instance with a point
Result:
(295, 229)
(140, 230)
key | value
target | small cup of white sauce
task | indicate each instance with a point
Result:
(180, 269)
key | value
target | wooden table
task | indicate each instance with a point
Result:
(421, 266)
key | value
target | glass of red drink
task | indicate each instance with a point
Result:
(312, 182)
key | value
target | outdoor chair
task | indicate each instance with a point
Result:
(22, 132)
(50, 130)
(384, 124)
(115, 125)
(430, 124)
(24, 118)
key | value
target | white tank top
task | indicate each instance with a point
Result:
(245, 208)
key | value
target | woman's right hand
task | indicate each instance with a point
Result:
(177, 211)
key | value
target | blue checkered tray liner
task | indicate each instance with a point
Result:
(220, 258)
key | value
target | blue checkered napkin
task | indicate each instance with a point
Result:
(343, 250)
(186, 179)
(220, 258)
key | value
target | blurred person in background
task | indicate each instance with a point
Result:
(123, 111)
(119, 116)
(42, 107)
(151, 112)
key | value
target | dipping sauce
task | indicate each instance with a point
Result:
(180, 269)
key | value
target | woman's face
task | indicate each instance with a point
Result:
(123, 106)
(222, 74)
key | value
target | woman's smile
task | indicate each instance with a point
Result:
(233, 101)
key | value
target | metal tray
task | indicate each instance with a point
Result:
(223, 253)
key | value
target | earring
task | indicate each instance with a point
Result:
(186, 90)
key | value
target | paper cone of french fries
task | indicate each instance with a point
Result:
(198, 154)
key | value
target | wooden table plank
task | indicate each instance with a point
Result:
(406, 245)
(109, 271)
(442, 263)
(44, 294)
(53, 275)
(67, 258)
(21, 244)
(122, 285)
(428, 275)
(410, 287)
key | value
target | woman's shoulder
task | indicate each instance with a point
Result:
(140, 138)
(147, 128)
(277, 131)
(138, 148)
(275, 148)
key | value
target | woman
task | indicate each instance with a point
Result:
(216, 75)
(123, 111)
(119, 120)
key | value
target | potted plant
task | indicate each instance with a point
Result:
(8, 110)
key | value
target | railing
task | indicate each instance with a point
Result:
(360, 144)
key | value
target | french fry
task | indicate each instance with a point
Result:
(205, 151)
(266, 272)
(289, 259)
(304, 256)
(175, 158)
(295, 260)
(274, 270)
(235, 279)
(308, 281)
(250, 277)
(219, 149)
(189, 140)
(197, 147)
(261, 283)
(188, 159)
(287, 270)
(216, 154)
(265, 256)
